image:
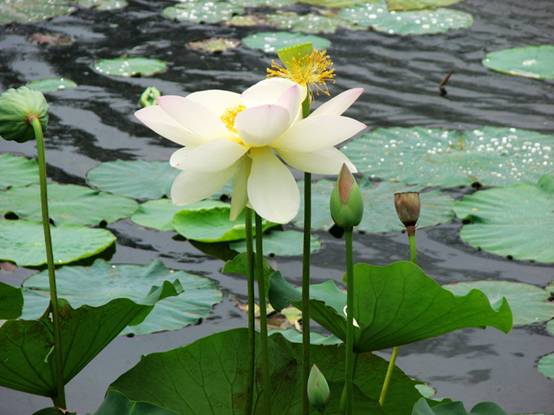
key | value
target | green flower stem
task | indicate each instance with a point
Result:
(59, 399)
(306, 365)
(349, 371)
(413, 257)
(251, 310)
(266, 381)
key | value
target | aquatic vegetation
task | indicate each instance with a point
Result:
(129, 66)
(270, 42)
(17, 171)
(51, 85)
(530, 61)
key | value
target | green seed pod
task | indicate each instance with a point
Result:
(318, 389)
(347, 206)
(17, 108)
(149, 97)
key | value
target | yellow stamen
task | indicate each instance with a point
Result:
(313, 71)
(230, 115)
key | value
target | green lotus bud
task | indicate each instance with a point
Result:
(17, 108)
(408, 207)
(347, 206)
(149, 97)
(318, 389)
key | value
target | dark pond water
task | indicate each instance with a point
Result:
(95, 123)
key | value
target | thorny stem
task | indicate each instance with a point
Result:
(251, 311)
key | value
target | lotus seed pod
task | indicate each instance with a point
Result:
(347, 206)
(318, 389)
(407, 206)
(17, 108)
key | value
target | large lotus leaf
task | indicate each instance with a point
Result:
(379, 212)
(208, 377)
(270, 42)
(422, 407)
(529, 304)
(129, 66)
(17, 171)
(26, 346)
(53, 411)
(103, 5)
(513, 221)
(22, 242)
(402, 5)
(530, 61)
(158, 214)
(306, 23)
(212, 225)
(30, 11)
(138, 179)
(434, 157)
(117, 404)
(394, 305)
(364, 15)
(287, 243)
(11, 301)
(51, 85)
(546, 365)
(102, 282)
(68, 204)
(203, 11)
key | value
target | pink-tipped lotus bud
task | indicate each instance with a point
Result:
(408, 207)
(318, 389)
(347, 206)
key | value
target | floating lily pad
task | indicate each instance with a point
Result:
(102, 282)
(51, 85)
(295, 336)
(546, 366)
(307, 23)
(287, 243)
(364, 15)
(203, 12)
(247, 20)
(30, 11)
(130, 66)
(403, 5)
(68, 204)
(531, 61)
(22, 242)
(422, 407)
(212, 225)
(335, 4)
(270, 42)
(513, 221)
(529, 304)
(103, 5)
(263, 3)
(158, 214)
(448, 158)
(550, 327)
(138, 179)
(17, 171)
(214, 45)
(379, 213)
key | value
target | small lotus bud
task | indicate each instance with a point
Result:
(17, 108)
(347, 206)
(318, 389)
(407, 206)
(149, 97)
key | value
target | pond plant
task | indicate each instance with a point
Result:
(250, 139)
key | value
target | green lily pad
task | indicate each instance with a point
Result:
(270, 42)
(102, 282)
(287, 243)
(214, 45)
(22, 242)
(426, 390)
(68, 204)
(393, 305)
(263, 3)
(514, 221)
(422, 407)
(334, 4)
(11, 302)
(138, 179)
(531, 61)
(203, 12)
(529, 304)
(175, 380)
(403, 5)
(158, 214)
(30, 11)
(379, 213)
(248, 20)
(546, 366)
(117, 404)
(129, 66)
(26, 346)
(307, 23)
(295, 336)
(51, 85)
(103, 5)
(550, 327)
(17, 171)
(448, 158)
(364, 15)
(212, 225)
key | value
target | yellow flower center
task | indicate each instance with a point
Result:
(313, 70)
(230, 115)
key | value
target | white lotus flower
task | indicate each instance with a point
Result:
(245, 136)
